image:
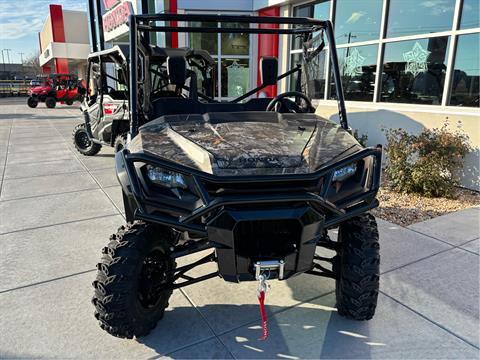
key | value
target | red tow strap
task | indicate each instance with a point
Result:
(261, 300)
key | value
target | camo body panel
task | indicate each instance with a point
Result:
(280, 144)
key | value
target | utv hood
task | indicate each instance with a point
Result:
(245, 143)
(40, 89)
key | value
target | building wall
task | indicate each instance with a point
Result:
(76, 27)
(64, 41)
(375, 44)
(46, 35)
(371, 120)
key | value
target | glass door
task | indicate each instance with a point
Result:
(232, 54)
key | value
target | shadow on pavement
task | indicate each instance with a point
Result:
(304, 332)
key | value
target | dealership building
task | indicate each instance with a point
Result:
(64, 42)
(404, 63)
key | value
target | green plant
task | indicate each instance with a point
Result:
(427, 163)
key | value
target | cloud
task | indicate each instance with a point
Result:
(19, 19)
(355, 17)
(438, 7)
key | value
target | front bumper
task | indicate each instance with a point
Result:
(237, 254)
(215, 208)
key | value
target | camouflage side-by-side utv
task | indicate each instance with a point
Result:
(254, 183)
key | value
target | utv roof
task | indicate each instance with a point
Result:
(55, 75)
(302, 24)
(117, 49)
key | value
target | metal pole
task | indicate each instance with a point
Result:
(133, 76)
(23, 67)
(99, 20)
(342, 113)
(8, 55)
(92, 25)
(3, 61)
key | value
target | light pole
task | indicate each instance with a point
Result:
(21, 61)
(8, 54)
(3, 61)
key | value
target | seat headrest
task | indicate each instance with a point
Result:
(269, 70)
(177, 70)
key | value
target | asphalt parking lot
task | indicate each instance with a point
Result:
(57, 209)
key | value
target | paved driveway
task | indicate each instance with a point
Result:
(57, 209)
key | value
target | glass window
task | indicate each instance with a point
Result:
(235, 43)
(294, 60)
(408, 17)
(470, 14)
(204, 41)
(414, 71)
(358, 66)
(317, 10)
(313, 80)
(233, 50)
(357, 20)
(466, 73)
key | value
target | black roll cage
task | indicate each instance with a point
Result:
(146, 23)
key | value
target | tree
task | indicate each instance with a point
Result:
(32, 63)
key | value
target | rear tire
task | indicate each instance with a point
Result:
(358, 268)
(133, 268)
(120, 142)
(50, 102)
(32, 102)
(69, 102)
(82, 143)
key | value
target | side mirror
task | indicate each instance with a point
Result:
(177, 70)
(269, 70)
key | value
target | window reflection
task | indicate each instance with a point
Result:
(470, 14)
(466, 73)
(408, 17)
(357, 20)
(313, 79)
(235, 43)
(204, 41)
(414, 71)
(358, 66)
(317, 10)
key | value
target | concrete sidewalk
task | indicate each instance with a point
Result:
(57, 209)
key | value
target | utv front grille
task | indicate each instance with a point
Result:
(267, 239)
(252, 187)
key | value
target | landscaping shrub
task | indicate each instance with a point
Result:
(427, 163)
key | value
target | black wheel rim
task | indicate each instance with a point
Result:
(82, 141)
(152, 279)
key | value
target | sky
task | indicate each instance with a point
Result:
(21, 20)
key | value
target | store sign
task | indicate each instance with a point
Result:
(115, 19)
(109, 4)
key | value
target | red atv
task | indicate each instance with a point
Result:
(57, 87)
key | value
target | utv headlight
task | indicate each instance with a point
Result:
(165, 177)
(344, 172)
